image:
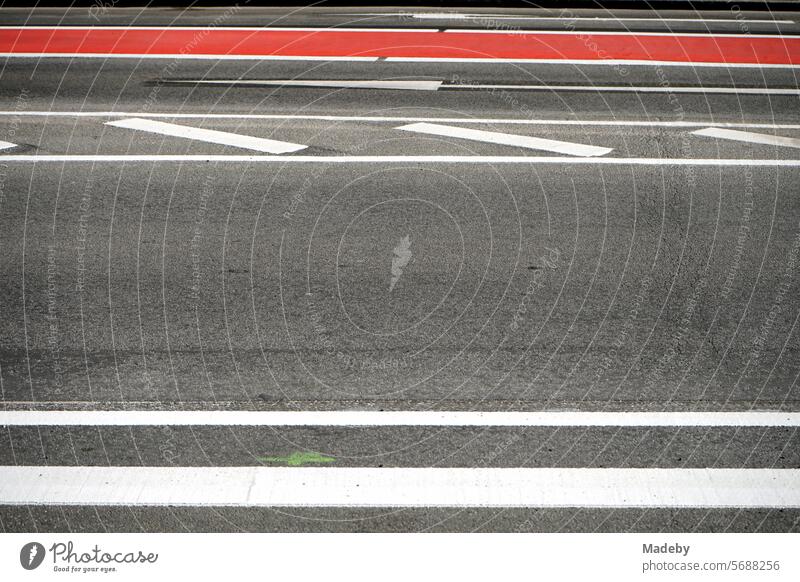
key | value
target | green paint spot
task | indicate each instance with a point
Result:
(298, 459)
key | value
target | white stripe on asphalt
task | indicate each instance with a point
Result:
(522, 141)
(230, 57)
(750, 137)
(392, 418)
(446, 16)
(265, 159)
(390, 119)
(258, 144)
(370, 84)
(624, 33)
(399, 487)
(437, 85)
(4, 145)
(629, 89)
(599, 62)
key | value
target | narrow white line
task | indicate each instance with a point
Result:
(227, 28)
(399, 487)
(4, 145)
(629, 89)
(749, 137)
(368, 84)
(91, 158)
(599, 62)
(666, 33)
(446, 16)
(522, 141)
(389, 119)
(392, 418)
(269, 146)
(186, 56)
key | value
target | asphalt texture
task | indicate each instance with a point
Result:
(260, 286)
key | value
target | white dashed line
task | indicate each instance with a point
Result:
(269, 146)
(522, 141)
(750, 137)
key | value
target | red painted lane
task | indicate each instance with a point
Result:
(332, 43)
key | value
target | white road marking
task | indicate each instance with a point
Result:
(391, 119)
(342, 84)
(628, 89)
(398, 487)
(522, 141)
(392, 418)
(750, 137)
(4, 145)
(259, 144)
(229, 28)
(231, 57)
(168, 158)
(627, 33)
(455, 16)
(185, 56)
(599, 62)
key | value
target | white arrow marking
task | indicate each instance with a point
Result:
(748, 136)
(368, 84)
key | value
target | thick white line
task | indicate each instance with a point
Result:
(600, 62)
(392, 418)
(4, 145)
(258, 144)
(629, 89)
(390, 119)
(522, 141)
(399, 487)
(369, 84)
(168, 158)
(749, 137)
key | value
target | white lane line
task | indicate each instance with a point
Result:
(629, 89)
(522, 141)
(259, 144)
(4, 145)
(391, 119)
(623, 33)
(392, 418)
(230, 57)
(185, 56)
(168, 158)
(399, 487)
(447, 16)
(599, 62)
(368, 84)
(750, 137)
(228, 28)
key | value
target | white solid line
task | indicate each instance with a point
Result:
(748, 136)
(630, 89)
(398, 487)
(392, 418)
(390, 119)
(185, 56)
(343, 84)
(446, 16)
(258, 144)
(522, 141)
(131, 158)
(666, 33)
(4, 145)
(600, 62)
(226, 28)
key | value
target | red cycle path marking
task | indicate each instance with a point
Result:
(333, 43)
